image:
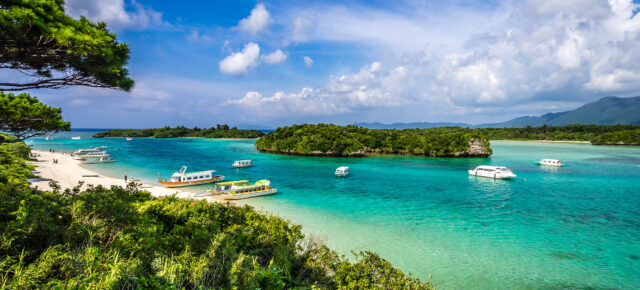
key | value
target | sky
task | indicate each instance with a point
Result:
(275, 63)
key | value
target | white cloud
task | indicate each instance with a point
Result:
(527, 54)
(239, 63)
(275, 57)
(301, 27)
(308, 61)
(195, 36)
(258, 20)
(115, 13)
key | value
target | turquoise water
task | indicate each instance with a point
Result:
(572, 227)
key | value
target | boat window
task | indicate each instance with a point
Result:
(188, 178)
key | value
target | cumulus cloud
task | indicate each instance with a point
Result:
(258, 20)
(115, 13)
(308, 61)
(275, 57)
(239, 63)
(535, 55)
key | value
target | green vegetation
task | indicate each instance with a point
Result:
(220, 131)
(564, 133)
(55, 50)
(23, 116)
(627, 137)
(333, 140)
(119, 238)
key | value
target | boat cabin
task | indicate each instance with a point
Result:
(182, 178)
(342, 171)
(242, 163)
(550, 162)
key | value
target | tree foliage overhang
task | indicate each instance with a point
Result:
(54, 50)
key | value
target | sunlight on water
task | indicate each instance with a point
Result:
(572, 227)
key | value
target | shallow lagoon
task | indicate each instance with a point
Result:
(575, 226)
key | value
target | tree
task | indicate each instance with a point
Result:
(24, 116)
(54, 50)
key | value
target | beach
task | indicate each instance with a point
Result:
(68, 173)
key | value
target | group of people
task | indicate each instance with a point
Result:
(55, 161)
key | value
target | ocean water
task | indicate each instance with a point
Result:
(572, 227)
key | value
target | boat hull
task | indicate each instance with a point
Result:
(192, 182)
(341, 174)
(249, 194)
(242, 166)
(494, 176)
(554, 165)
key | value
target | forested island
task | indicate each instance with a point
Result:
(591, 133)
(220, 131)
(352, 141)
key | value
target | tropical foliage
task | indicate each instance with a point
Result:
(220, 131)
(569, 133)
(333, 140)
(24, 116)
(55, 50)
(118, 238)
(627, 137)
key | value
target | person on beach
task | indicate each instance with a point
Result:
(125, 179)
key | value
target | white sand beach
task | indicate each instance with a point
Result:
(68, 173)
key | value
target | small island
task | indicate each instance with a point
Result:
(220, 131)
(353, 141)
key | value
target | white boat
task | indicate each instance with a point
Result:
(48, 138)
(497, 172)
(242, 163)
(104, 159)
(182, 178)
(234, 190)
(84, 151)
(342, 171)
(76, 138)
(89, 154)
(128, 138)
(550, 162)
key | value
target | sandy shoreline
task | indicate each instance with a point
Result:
(68, 173)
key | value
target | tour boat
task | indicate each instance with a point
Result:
(342, 171)
(103, 159)
(550, 162)
(76, 138)
(48, 138)
(89, 154)
(242, 163)
(128, 138)
(497, 172)
(182, 178)
(84, 151)
(241, 189)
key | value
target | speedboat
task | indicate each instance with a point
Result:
(104, 159)
(242, 163)
(550, 162)
(497, 172)
(242, 189)
(182, 178)
(128, 138)
(342, 171)
(76, 138)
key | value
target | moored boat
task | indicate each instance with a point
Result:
(128, 138)
(242, 163)
(89, 154)
(241, 189)
(76, 138)
(48, 138)
(342, 171)
(182, 178)
(103, 159)
(497, 172)
(550, 162)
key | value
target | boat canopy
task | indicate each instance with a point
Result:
(229, 183)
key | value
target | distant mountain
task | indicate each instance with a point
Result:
(377, 125)
(605, 111)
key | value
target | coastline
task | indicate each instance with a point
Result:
(546, 141)
(68, 173)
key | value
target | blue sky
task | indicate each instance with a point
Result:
(275, 63)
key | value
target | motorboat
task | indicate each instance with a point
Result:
(241, 189)
(550, 162)
(89, 154)
(84, 151)
(182, 178)
(497, 172)
(76, 138)
(48, 138)
(104, 159)
(342, 171)
(242, 163)
(128, 138)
